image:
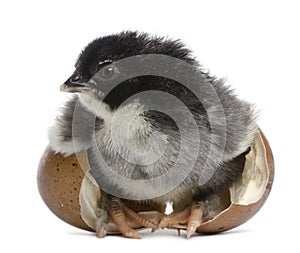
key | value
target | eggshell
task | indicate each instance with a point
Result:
(59, 182)
(72, 195)
(62, 183)
(246, 204)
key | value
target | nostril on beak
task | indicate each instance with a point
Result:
(75, 78)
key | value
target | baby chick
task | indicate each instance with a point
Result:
(148, 147)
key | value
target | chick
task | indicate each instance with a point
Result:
(141, 153)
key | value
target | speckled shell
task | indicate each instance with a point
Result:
(60, 179)
(59, 182)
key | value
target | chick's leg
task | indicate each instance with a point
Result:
(192, 216)
(195, 219)
(121, 215)
(118, 216)
(173, 219)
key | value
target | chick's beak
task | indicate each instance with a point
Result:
(76, 86)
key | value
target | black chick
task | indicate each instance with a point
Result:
(142, 153)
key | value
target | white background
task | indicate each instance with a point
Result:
(255, 44)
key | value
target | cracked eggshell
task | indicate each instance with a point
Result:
(71, 194)
(249, 194)
(245, 197)
(59, 183)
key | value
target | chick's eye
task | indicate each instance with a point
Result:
(107, 72)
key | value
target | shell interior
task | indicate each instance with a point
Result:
(251, 187)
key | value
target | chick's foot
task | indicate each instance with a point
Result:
(121, 216)
(192, 216)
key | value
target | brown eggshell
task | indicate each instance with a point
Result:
(237, 214)
(59, 182)
(72, 196)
